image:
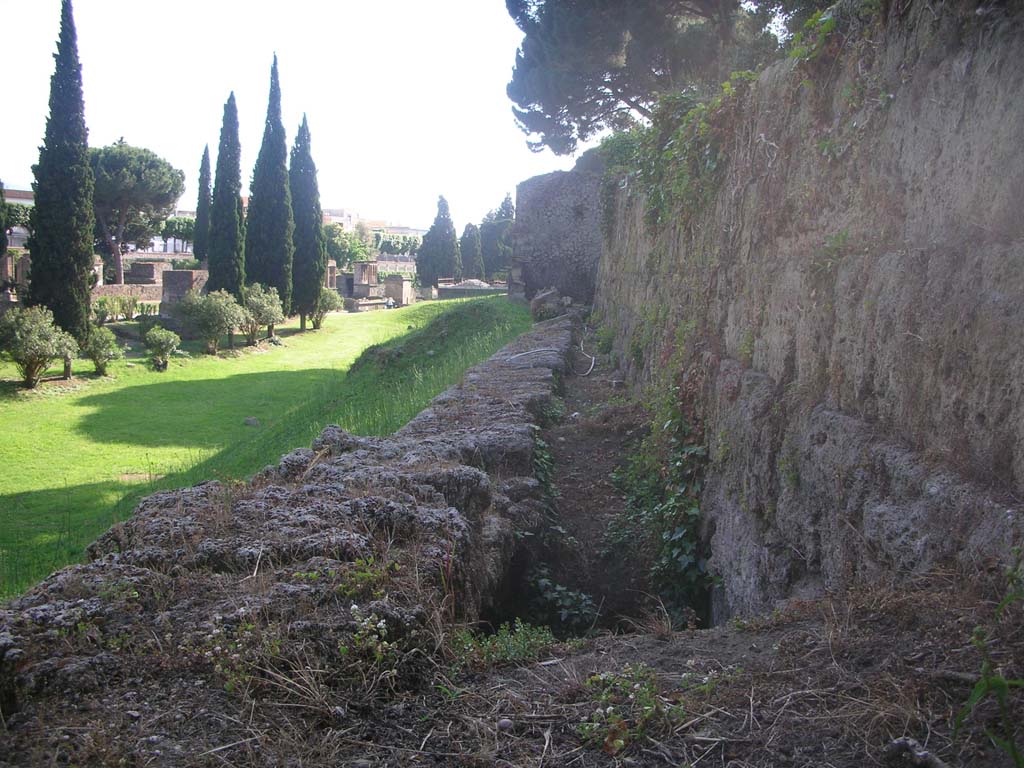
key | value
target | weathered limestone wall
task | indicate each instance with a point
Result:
(852, 306)
(556, 238)
(206, 588)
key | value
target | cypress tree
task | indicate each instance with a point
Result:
(63, 219)
(310, 245)
(201, 238)
(269, 225)
(225, 254)
(3, 221)
(469, 250)
(438, 254)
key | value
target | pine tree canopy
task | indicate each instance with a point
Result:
(269, 224)
(588, 65)
(131, 182)
(310, 261)
(226, 255)
(201, 245)
(63, 219)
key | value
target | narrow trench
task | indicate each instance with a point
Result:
(568, 568)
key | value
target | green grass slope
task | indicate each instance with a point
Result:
(78, 458)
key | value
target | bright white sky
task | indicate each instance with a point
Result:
(405, 98)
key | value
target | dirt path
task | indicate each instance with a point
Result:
(599, 430)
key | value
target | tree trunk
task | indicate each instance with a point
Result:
(270, 331)
(302, 321)
(67, 368)
(119, 267)
(115, 253)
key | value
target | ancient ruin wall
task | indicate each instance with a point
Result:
(207, 587)
(851, 302)
(556, 238)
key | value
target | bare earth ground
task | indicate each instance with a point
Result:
(832, 682)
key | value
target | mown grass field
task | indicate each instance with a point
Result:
(77, 456)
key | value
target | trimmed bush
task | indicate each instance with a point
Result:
(211, 316)
(161, 344)
(30, 338)
(101, 348)
(262, 308)
(329, 301)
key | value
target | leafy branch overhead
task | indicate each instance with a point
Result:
(585, 66)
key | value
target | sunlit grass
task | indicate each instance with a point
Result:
(78, 458)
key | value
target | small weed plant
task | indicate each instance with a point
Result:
(629, 707)
(520, 642)
(993, 685)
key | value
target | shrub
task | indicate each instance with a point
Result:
(101, 348)
(262, 307)
(32, 341)
(128, 307)
(161, 344)
(101, 311)
(329, 301)
(211, 316)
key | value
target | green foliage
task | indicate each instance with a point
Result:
(365, 578)
(509, 645)
(310, 261)
(676, 162)
(211, 316)
(18, 215)
(201, 245)
(605, 339)
(328, 301)
(344, 247)
(584, 68)
(629, 706)
(993, 684)
(161, 344)
(226, 252)
(663, 481)
(3, 221)
(495, 245)
(102, 347)
(809, 43)
(181, 228)
(134, 186)
(147, 423)
(569, 611)
(32, 341)
(262, 308)
(472, 255)
(269, 224)
(63, 218)
(438, 254)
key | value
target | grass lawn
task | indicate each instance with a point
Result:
(78, 455)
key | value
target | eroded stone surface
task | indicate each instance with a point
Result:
(209, 588)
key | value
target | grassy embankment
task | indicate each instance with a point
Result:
(78, 458)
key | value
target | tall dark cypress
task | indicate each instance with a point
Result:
(62, 219)
(438, 254)
(201, 238)
(469, 250)
(3, 221)
(226, 254)
(310, 245)
(269, 225)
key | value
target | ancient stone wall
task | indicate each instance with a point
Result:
(556, 237)
(850, 306)
(212, 589)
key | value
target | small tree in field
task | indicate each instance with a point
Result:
(32, 341)
(102, 347)
(211, 316)
(161, 344)
(329, 301)
(262, 308)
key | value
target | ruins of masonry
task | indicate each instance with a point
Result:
(843, 327)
